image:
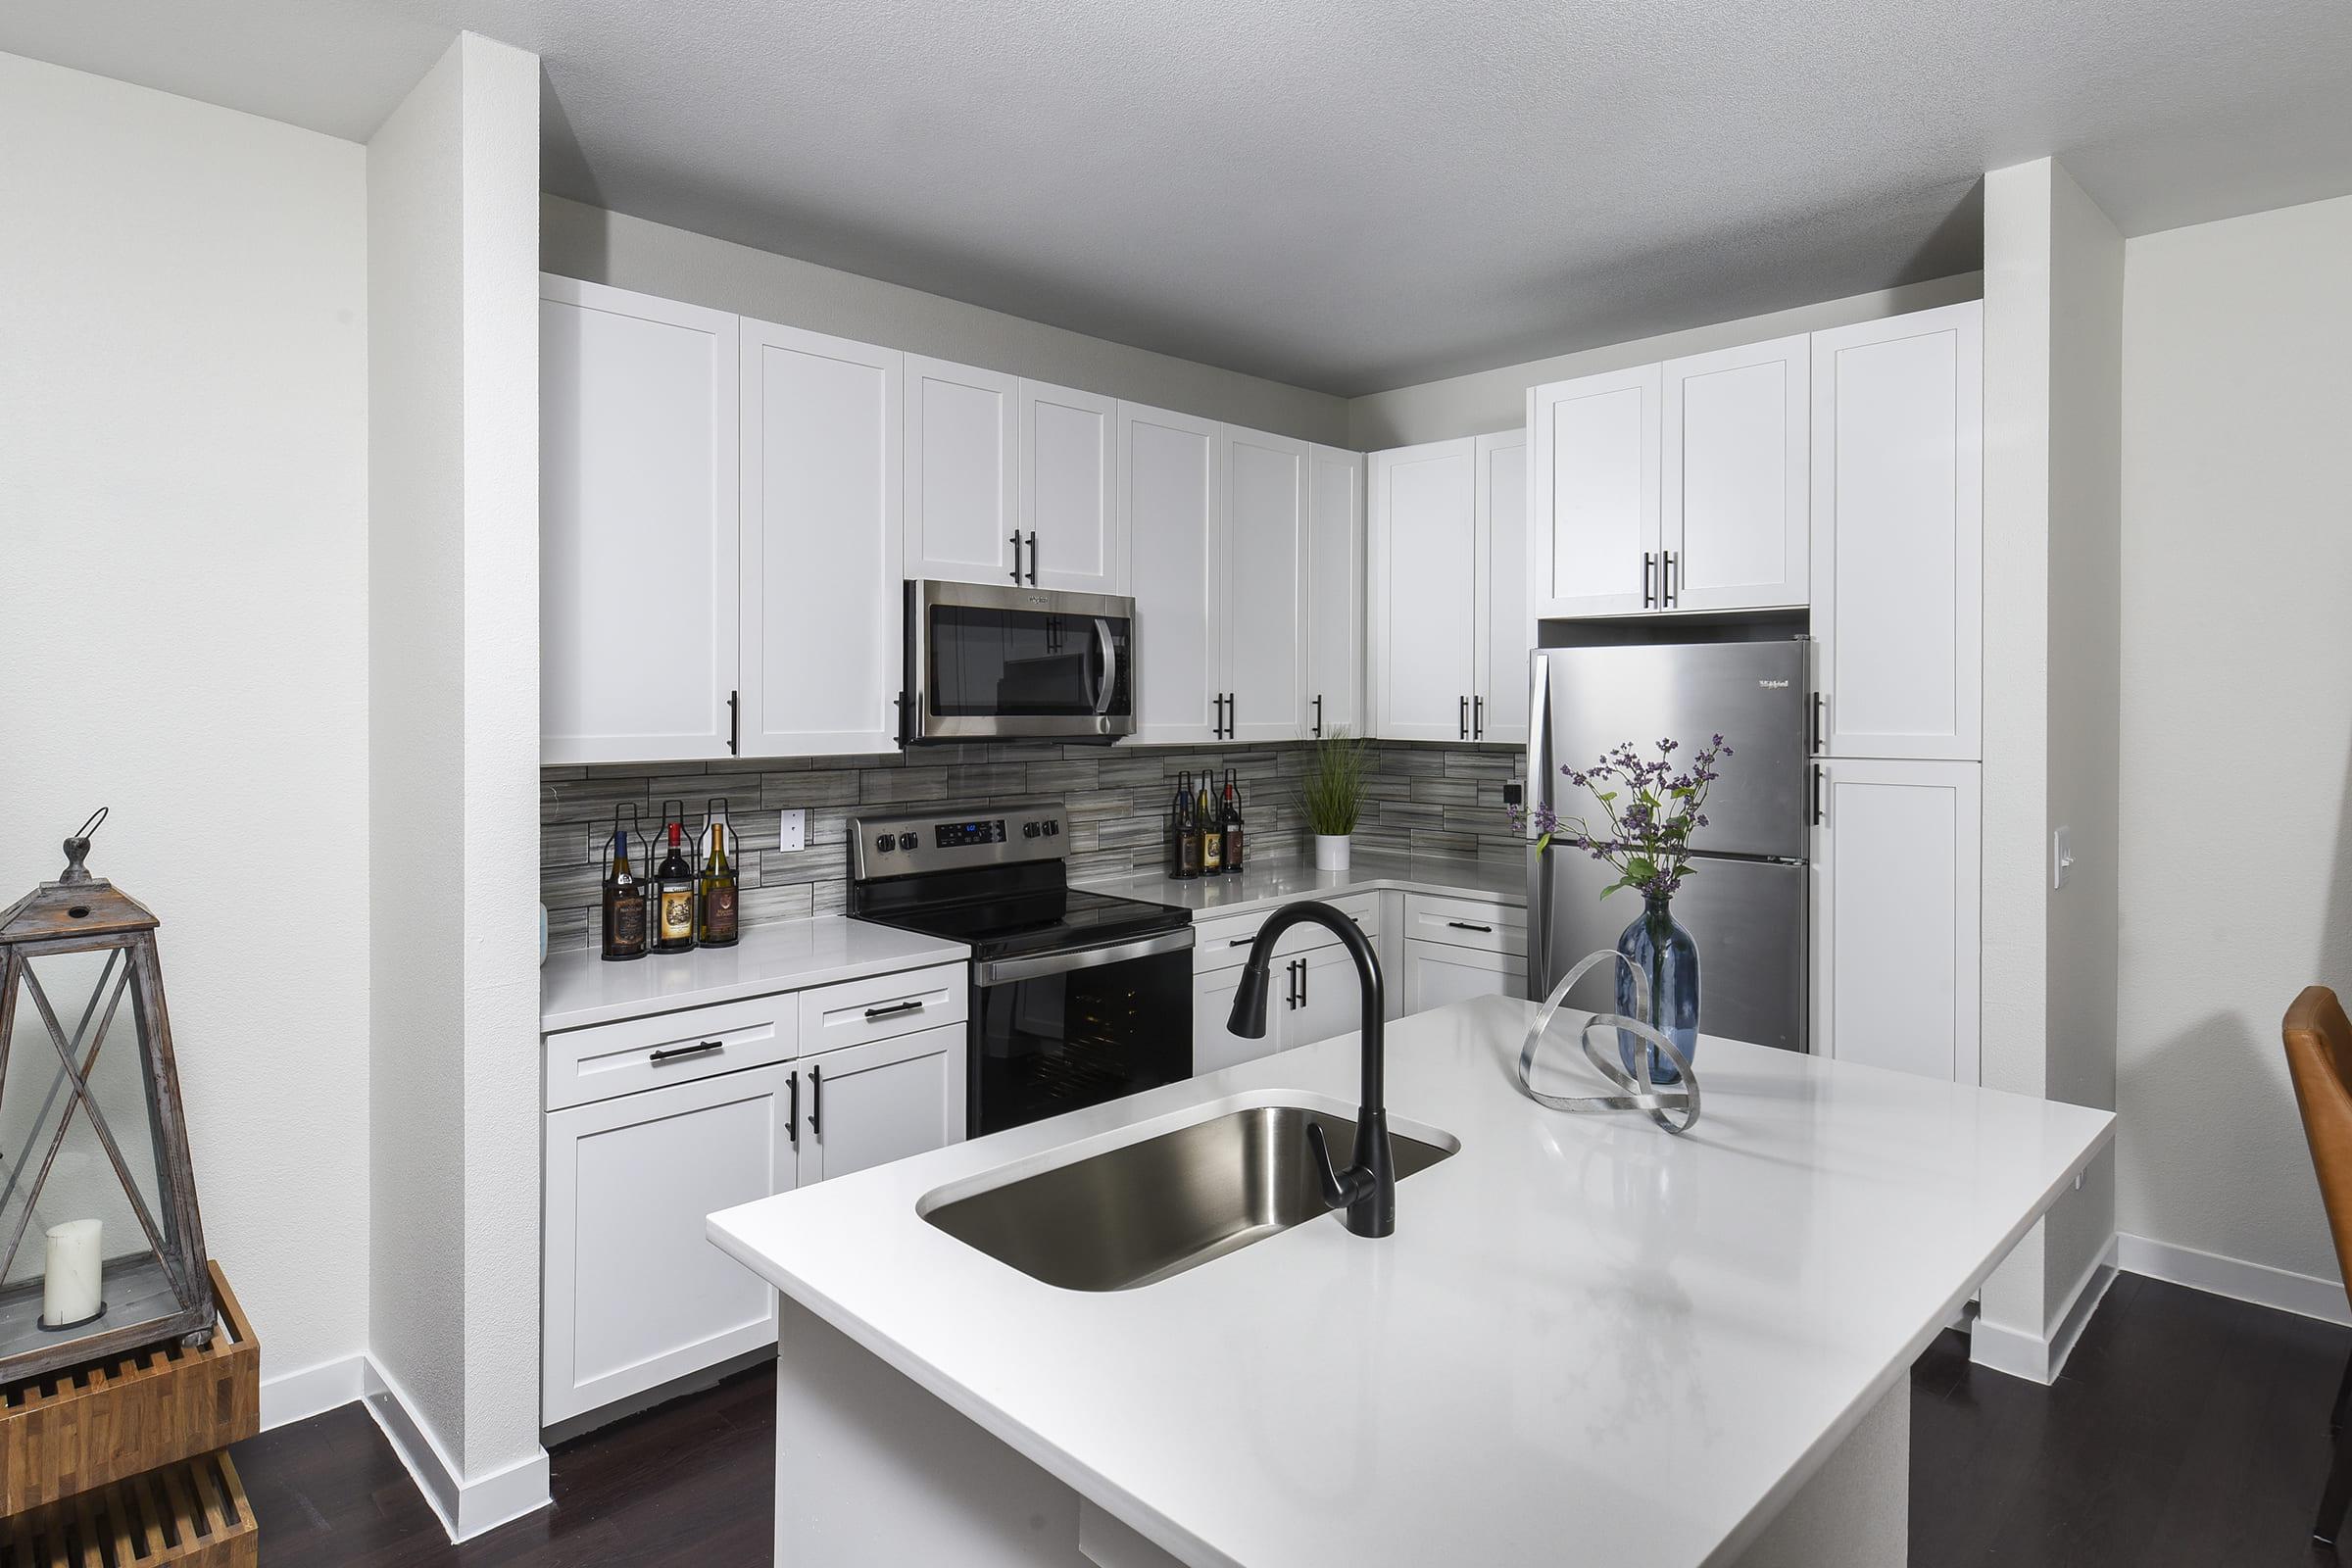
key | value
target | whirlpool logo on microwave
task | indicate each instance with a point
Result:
(1774, 685)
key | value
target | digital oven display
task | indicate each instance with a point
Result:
(956, 835)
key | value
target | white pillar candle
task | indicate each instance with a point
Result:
(72, 1278)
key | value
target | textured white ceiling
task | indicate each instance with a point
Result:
(1346, 194)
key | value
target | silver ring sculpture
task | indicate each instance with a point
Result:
(1663, 1103)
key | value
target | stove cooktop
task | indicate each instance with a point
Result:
(1046, 921)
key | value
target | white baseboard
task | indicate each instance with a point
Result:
(291, 1396)
(2305, 1295)
(467, 1508)
(2036, 1357)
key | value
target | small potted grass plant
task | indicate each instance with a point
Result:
(1332, 796)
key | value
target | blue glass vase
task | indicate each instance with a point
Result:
(1669, 959)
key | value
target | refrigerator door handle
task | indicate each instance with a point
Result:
(1817, 800)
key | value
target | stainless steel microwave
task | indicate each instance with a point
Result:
(991, 663)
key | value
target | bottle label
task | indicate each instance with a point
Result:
(625, 920)
(1192, 853)
(1212, 850)
(719, 914)
(677, 915)
(1233, 849)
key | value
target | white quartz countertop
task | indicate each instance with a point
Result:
(579, 988)
(1588, 1342)
(1286, 882)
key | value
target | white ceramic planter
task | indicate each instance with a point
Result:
(1331, 851)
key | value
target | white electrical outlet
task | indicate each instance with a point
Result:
(2062, 856)
(792, 830)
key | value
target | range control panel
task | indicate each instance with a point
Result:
(950, 839)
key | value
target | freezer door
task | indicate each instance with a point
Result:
(1748, 919)
(1752, 694)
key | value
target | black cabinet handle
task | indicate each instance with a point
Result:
(1817, 716)
(1666, 581)
(1319, 715)
(1233, 717)
(1033, 558)
(673, 1053)
(1478, 718)
(893, 1010)
(792, 1116)
(1017, 556)
(734, 722)
(1302, 982)
(1817, 802)
(1470, 925)
(1649, 566)
(1465, 719)
(1240, 941)
(816, 1101)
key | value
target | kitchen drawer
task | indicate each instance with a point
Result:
(585, 1066)
(1466, 923)
(886, 1005)
(1225, 944)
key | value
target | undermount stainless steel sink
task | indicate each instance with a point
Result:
(1146, 1211)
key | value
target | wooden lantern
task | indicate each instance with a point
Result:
(93, 1146)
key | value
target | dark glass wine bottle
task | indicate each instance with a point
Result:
(1212, 832)
(673, 898)
(624, 902)
(1234, 837)
(716, 927)
(1183, 859)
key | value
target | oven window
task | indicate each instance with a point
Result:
(1059, 1042)
(997, 662)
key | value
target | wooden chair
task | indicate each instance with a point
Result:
(2319, 1055)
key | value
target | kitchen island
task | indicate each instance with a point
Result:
(1586, 1342)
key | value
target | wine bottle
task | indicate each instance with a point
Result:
(625, 904)
(1234, 835)
(716, 927)
(1183, 852)
(1212, 833)
(673, 898)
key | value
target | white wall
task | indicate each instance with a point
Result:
(587, 242)
(183, 517)
(453, 209)
(2237, 798)
(1488, 400)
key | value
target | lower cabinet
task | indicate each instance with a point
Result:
(1215, 1047)
(633, 1296)
(872, 1103)
(1437, 973)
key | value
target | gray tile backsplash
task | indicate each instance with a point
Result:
(1425, 799)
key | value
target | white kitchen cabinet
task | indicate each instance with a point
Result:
(962, 473)
(1734, 500)
(1423, 624)
(1171, 484)
(1897, 523)
(868, 1105)
(1328, 999)
(1264, 630)
(633, 1295)
(1069, 501)
(637, 430)
(1215, 1047)
(1595, 446)
(1896, 917)
(1437, 973)
(820, 548)
(1335, 591)
(1498, 699)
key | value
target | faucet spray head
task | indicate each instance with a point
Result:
(1249, 1016)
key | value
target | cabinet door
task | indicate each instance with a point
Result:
(1215, 1047)
(872, 1103)
(1895, 915)
(1594, 501)
(1898, 569)
(1335, 591)
(636, 494)
(1437, 973)
(1424, 612)
(1264, 612)
(821, 543)
(963, 470)
(1070, 489)
(1506, 632)
(633, 1294)
(1735, 506)
(1172, 486)
(1328, 999)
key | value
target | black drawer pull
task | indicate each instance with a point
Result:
(1467, 925)
(893, 1010)
(673, 1053)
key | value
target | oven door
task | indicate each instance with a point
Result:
(1062, 1030)
(990, 662)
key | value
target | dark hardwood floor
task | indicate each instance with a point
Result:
(2186, 1432)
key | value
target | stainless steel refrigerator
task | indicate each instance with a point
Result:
(1744, 905)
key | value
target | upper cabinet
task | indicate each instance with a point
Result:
(1448, 627)
(637, 497)
(1171, 489)
(1335, 592)
(963, 473)
(1264, 630)
(821, 460)
(1733, 505)
(1069, 497)
(1897, 523)
(1675, 486)
(1507, 631)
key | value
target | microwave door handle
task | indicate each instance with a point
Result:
(1111, 665)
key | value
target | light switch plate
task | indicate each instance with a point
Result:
(792, 829)
(2062, 856)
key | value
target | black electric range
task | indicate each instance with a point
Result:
(1076, 997)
